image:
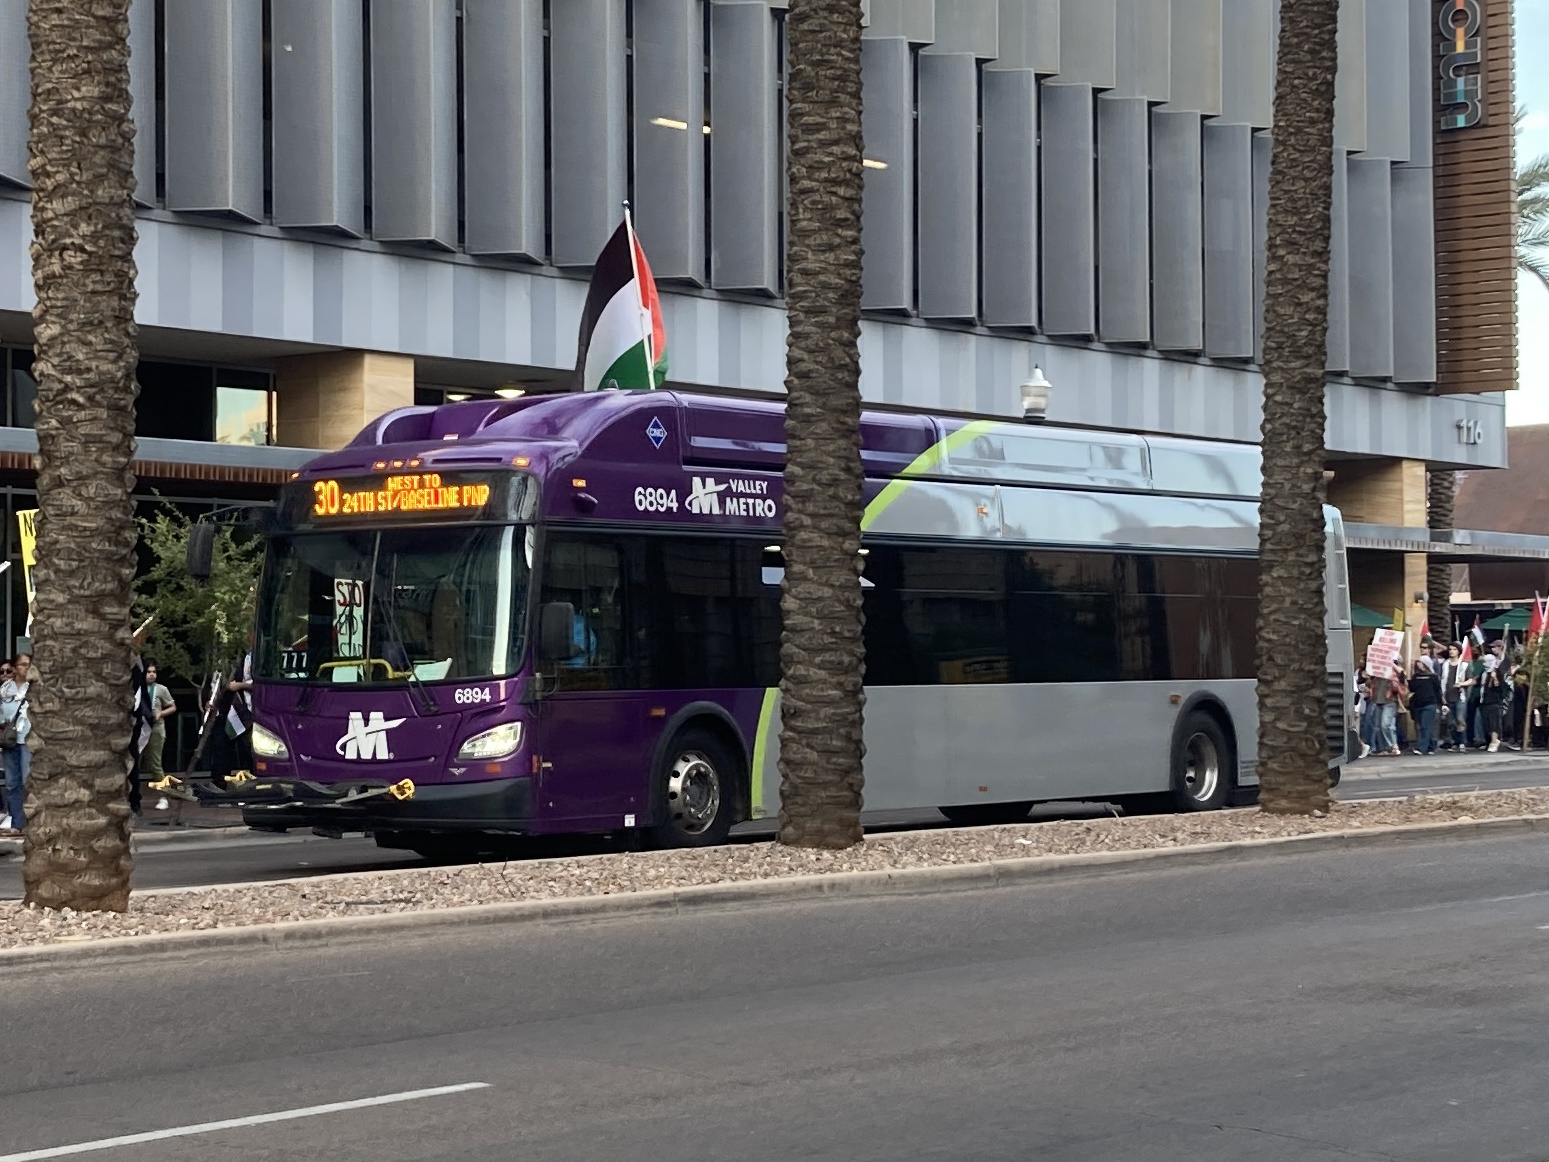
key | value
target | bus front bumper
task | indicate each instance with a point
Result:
(499, 805)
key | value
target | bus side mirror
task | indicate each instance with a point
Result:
(201, 551)
(556, 631)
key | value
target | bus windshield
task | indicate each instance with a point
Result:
(387, 605)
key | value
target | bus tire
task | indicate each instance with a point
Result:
(980, 814)
(1203, 765)
(696, 787)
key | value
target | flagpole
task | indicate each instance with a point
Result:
(645, 317)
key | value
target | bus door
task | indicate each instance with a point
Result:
(590, 733)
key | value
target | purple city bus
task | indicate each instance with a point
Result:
(560, 614)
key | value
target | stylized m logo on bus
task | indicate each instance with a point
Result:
(704, 497)
(366, 740)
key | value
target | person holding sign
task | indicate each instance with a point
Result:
(15, 726)
(1385, 699)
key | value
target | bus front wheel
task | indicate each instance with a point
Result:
(696, 792)
(1203, 768)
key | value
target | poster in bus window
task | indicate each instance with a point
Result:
(349, 618)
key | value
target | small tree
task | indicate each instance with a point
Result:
(199, 627)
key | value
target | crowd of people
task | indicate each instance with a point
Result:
(1445, 701)
(151, 705)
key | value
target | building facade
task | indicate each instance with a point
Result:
(354, 204)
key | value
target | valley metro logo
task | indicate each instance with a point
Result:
(705, 496)
(366, 740)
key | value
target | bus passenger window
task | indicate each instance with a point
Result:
(588, 576)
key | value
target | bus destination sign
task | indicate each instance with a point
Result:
(414, 494)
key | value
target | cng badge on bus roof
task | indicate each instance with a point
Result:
(656, 432)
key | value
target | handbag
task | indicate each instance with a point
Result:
(10, 732)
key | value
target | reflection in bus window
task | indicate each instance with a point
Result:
(369, 606)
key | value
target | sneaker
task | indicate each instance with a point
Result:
(162, 804)
(1493, 747)
(1365, 750)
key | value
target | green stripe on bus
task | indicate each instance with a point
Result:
(761, 749)
(923, 465)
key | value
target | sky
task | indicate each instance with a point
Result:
(1529, 404)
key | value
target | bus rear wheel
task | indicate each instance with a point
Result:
(696, 789)
(1203, 767)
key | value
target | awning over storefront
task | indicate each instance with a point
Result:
(1458, 546)
(1514, 619)
(1363, 618)
(200, 460)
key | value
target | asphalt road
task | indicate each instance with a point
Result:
(201, 857)
(1381, 1004)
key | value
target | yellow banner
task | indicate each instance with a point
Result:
(1398, 619)
(27, 520)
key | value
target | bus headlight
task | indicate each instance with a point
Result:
(496, 743)
(267, 744)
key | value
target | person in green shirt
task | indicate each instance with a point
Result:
(163, 707)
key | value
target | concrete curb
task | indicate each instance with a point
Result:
(792, 889)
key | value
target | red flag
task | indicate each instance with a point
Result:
(1540, 615)
(1468, 651)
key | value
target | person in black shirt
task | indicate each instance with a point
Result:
(1424, 705)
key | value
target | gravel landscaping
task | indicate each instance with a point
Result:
(423, 889)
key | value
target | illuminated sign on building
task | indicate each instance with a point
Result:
(1462, 63)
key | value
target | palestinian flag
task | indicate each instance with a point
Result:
(623, 342)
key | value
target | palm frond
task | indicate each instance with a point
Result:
(1532, 235)
(1532, 210)
(1536, 264)
(1533, 178)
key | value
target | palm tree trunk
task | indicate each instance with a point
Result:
(1440, 489)
(82, 168)
(1291, 646)
(821, 650)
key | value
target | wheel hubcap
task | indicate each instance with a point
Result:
(693, 793)
(1202, 768)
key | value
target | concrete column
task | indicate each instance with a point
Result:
(1385, 492)
(1380, 492)
(324, 400)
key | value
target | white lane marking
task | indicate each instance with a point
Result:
(238, 1123)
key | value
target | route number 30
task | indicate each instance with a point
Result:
(656, 500)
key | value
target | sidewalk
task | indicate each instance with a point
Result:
(1444, 762)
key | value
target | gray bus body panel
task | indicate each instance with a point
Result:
(946, 745)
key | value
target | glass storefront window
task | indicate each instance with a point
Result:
(177, 401)
(24, 391)
(244, 415)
